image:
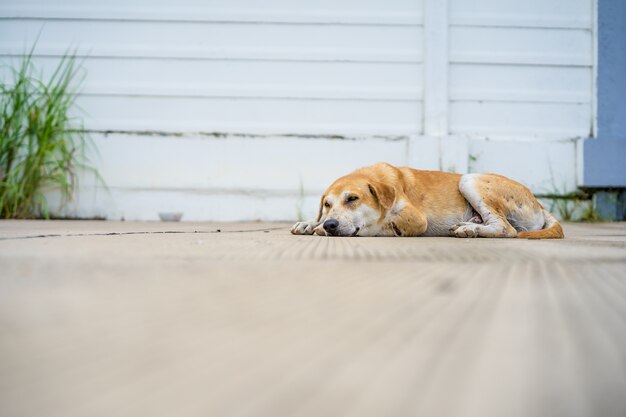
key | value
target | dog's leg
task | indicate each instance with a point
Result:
(478, 191)
(407, 220)
(305, 228)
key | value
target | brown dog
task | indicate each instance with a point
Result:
(384, 200)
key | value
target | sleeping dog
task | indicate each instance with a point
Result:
(384, 200)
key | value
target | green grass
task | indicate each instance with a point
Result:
(41, 145)
(576, 206)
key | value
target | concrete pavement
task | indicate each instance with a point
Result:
(180, 319)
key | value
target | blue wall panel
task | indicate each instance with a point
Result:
(605, 156)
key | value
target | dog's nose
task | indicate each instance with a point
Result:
(331, 225)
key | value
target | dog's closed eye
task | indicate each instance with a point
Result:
(351, 198)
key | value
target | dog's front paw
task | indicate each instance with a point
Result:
(304, 228)
(465, 229)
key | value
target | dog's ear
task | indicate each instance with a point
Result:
(385, 194)
(321, 210)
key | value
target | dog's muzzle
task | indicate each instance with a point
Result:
(331, 227)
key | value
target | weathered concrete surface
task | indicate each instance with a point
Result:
(252, 321)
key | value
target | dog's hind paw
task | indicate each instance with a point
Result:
(304, 228)
(465, 229)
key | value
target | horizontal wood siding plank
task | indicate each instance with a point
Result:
(544, 167)
(574, 14)
(214, 78)
(530, 46)
(285, 116)
(215, 41)
(370, 12)
(506, 118)
(216, 164)
(484, 82)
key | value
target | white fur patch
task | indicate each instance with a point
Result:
(367, 219)
(467, 187)
(525, 219)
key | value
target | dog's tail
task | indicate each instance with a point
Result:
(551, 230)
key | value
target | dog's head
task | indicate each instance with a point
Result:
(354, 205)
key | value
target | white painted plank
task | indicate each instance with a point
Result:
(353, 5)
(243, 115)
(544, 167)
(205, 15)
(145, 205)
(423, 153)
(213, 41)
(253, 166)
(454, 151)
(474, 82)
(204, 78)
(436, 68)
(544, 120)
(396, 12)
(252, 91)
(221, 179)
(520, 46)
(528, 13)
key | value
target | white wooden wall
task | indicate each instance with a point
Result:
(240, 109)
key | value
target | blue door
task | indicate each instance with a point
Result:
(605, 156)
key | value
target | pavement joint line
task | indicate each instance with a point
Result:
(163, 232)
